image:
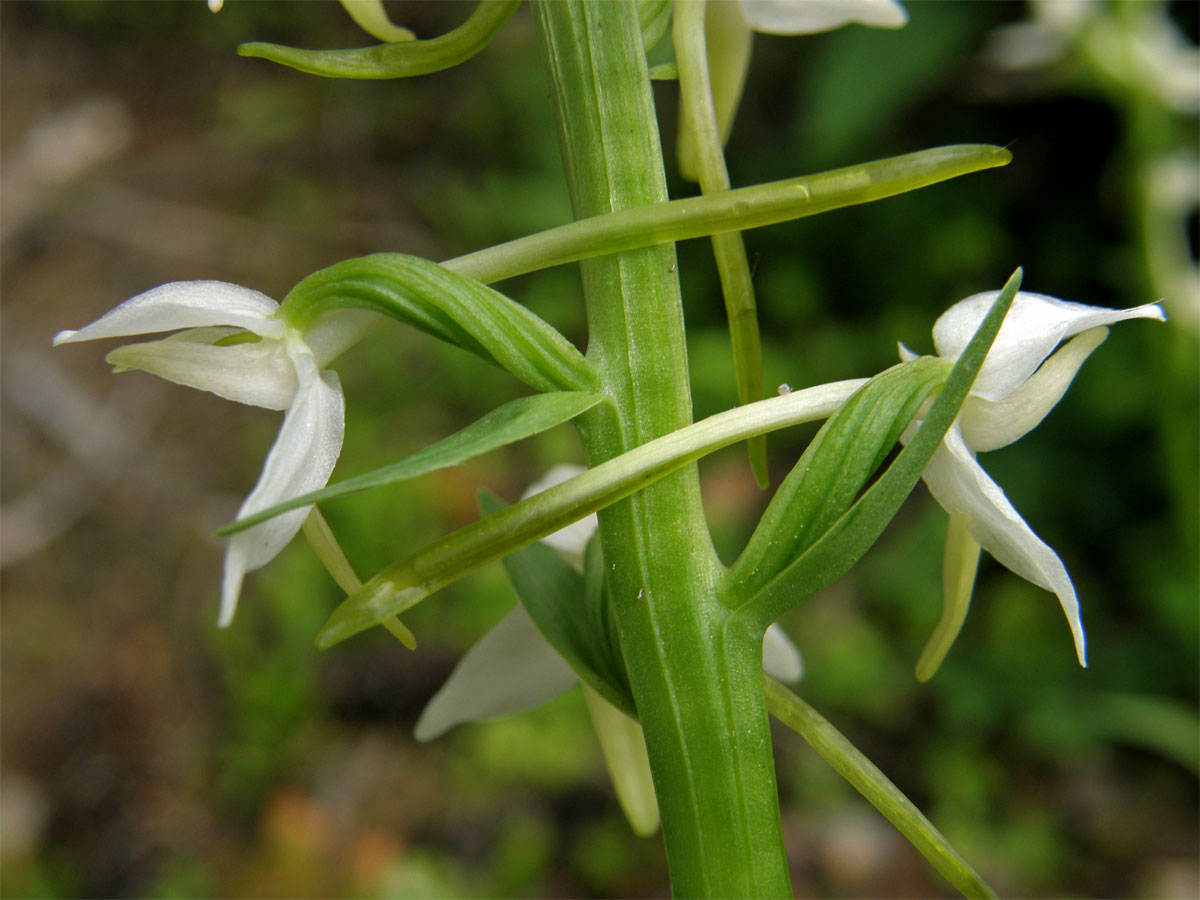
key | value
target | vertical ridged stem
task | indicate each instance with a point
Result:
(698, 691)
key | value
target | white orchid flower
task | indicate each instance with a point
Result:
(512, 669)
(729, 31)
(238, 348)
(1015, 389)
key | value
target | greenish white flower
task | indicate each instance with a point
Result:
(1018, 385)
(237, 347)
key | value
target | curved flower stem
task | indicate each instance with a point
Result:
(700, 118)
(833, 747)
(395, 60)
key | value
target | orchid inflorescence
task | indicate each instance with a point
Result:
(595, 614)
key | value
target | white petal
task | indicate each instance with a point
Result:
(257, 373)
(1032, 329)
(781, 658)
(184, 304)
(962, 488)
(811, 16)
(571, 540)
(301, 461)
(509, 670)
(990, 424)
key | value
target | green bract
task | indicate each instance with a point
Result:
(832, 472)
(452, 307)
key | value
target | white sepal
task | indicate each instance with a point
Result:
(509, 670)
(961, 487)
(184, 304)
(991, 424)
(781, 658)
(257, 373)
(1034, 326)
(572, 540)
(301, 460)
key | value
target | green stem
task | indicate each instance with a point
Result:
(833, 747)
(698, 697)
(700, 117)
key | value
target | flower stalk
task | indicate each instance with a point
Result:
(700, 699)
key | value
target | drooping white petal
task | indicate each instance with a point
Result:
(301, 460)
(1032, 329)
(184, 304)
(509, 670)
(781, 658)
(991, 424)
(257, 373)
(961, 486)
(811, 16)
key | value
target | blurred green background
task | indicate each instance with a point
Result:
(146, 754)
